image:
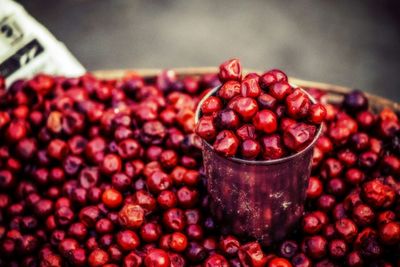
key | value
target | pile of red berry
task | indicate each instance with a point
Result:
(258, 117)
(109, 173)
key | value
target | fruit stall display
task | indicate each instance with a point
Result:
(106, 170)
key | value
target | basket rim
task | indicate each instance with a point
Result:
(330, 88)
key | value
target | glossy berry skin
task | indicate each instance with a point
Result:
(355, 101)
(158, 181)
(205, 128)
(337, 248)
(127, 240)
(247, 131)
(315, 188)
(230, 70)
(229, 90)
(390, 233)
(250, 149)
(131, 216)
(227, 119)
(178, 242)
(174, 219)
(150, 232)
(157, 258)
(272, 147)
(167, 199)
(354, 259)
(279, 262)
(280, 76)
(98, 258)
(57, 149)
(16, 131)
(132, 259)
(377, 194)
(315, 246)
(210, 105)
(267, 79)
(311, 224)
(317, 113)
(280, 90)
(298, 136)
(246, 108)
(363, 215)
(250, 88)
(229, 245)
(112, 198)
(216, 260)
(267, 101)
(226, 143)
(365, 119)
(298, 105)
(346, 229)
(251, 254)
(265, 121)
(354, 176)
(111, 164)
(389, 128)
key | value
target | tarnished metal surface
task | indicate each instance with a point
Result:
(263, 201)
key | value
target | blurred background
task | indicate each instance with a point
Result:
(351, 43)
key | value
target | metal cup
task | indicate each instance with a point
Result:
(261, 199)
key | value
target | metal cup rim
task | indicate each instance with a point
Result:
(259, 162)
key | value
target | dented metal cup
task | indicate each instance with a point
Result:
(261, 199)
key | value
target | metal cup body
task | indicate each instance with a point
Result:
(261, 199)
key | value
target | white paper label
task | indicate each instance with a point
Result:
(28, 48)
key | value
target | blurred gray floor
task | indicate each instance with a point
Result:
(352, 43)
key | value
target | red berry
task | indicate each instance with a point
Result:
(157, 258)
(251, 254)
(112, 198)
(346, 229)
(226, 143)
(247, 131)
(280, 90)
(315, 188)
(127, 240)
(178, 242)
(267, 79)
(272, 147)
(279, 262)
(298, 105)
(216, 260)
(390, 233)
(246, 107)
(266, 101)
(205, 128)
(317, 113)
(298, 136)
(280, 76)
(131, 216)
(210, 105)
(265, 121)
(249, 149)
(230, 70)
(227, 119)
(98, 258)
(229, 90)
(250, 88)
